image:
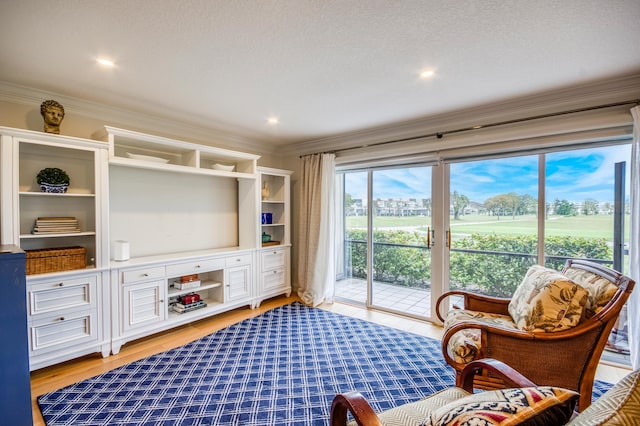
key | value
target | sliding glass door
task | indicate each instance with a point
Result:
(385, 260)
(352, 271)
(401, 225)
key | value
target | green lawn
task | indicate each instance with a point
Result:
(597, 226)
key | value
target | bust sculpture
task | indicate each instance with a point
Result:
(52, 112)
(265, 190)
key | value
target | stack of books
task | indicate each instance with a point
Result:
(56, 225)
(182, 308)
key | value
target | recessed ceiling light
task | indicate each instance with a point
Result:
(273, 120)
(105, 62)
(427, 74)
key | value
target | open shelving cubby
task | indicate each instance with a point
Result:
(210, 289)
(275, 203)
(82, 161)
(135, 149)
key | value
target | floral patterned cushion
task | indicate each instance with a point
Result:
(600, 289)
(542, 405)
(464, 346)
(547, 301)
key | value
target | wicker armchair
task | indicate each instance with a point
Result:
(566, 359)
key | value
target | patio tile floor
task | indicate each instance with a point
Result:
(410, 301)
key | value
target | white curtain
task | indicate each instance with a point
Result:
(316, 252)
(633, 305)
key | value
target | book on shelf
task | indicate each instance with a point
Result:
(56, 231)
(190, 305)
(181, 309)
(56, 225)
(55, 218)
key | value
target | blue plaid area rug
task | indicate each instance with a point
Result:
(280, 368)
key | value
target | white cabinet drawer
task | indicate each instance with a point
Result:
(142, 274)
(194, 267)
(273, 279)
(62, 294)
(273, 259)
(63, 330)
(241, 259)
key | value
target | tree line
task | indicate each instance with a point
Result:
(512, 204)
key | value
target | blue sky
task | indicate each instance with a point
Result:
(571, 175)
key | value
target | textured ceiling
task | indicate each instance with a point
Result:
(323, 67)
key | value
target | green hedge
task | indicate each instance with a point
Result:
(492, 274)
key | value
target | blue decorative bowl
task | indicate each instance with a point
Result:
(54, 188)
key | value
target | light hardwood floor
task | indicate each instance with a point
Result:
(64, 374)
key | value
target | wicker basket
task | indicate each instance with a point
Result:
(55, 259)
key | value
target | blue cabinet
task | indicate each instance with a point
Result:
(15, 386)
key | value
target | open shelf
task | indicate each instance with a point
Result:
(134, 149)
(59, 235)
(206, 285)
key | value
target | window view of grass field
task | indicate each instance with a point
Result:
(494, 220)
(597, 226)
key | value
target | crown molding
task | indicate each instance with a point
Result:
(134, 120)
(618, 89)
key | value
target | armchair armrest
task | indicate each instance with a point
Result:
(476, 302)
(485, 329)
(497, 368)
(356, 403)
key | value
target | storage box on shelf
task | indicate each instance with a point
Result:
(54, 260)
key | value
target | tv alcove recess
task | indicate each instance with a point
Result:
(185, 209)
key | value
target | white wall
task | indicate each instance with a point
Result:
(183, 211)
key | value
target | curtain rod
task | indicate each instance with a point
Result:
(440, 135)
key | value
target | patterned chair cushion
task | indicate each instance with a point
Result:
(547, 301)
(542, 405)
(619, 406)
(464, 346)
(414, 413)
(600, 289)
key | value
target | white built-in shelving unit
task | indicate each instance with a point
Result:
(184, 209)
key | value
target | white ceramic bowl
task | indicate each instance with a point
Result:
(225, 167)
(147, 158)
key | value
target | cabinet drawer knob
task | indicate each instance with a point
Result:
(61, 319)
(145, 275)
(275, 252)
(60, 284)
(197, 266)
